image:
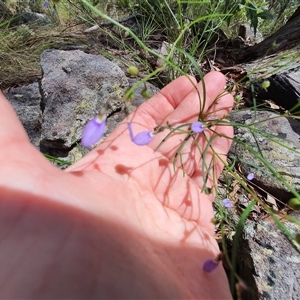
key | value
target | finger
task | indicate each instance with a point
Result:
(161, 105)
(179, 101)
(17, 153)
(11, 129)
(188, 110)
(201, 98)
(178, 108)
(13, 138)
(204, 158)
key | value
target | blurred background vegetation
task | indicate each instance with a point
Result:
(23, 36)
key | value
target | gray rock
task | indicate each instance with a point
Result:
(116, 116)
(268, 262)
(279, 145)
(247, 33)
(284, 89)
(283, 72)
(31, 17)
(75, 86)
(26, 101)
(119, 116)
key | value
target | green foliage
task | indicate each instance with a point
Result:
(282, 10)
(253, 11)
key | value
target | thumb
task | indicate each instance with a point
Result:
(23, 167)
(11, 129)
(14, 143)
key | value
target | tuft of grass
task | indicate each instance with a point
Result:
(21, 47)
(58, 162)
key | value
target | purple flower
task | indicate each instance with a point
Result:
(142, 138)
(250, 176)
(93, 131)
(226, 203)
(210, 265)
(197, 127)
(46, 4)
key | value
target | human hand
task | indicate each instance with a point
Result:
(121, 222)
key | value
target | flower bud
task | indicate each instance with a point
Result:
(210, 265)
(146, 93)
(133, 71)
(93, 131)
(294, 203)
(238, 98)
(250, 176)
(197, 127)
(214, 221)
(265, 84)
(226, 203)
(142, 138)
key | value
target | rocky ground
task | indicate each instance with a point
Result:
(75, 84)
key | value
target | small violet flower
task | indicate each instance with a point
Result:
(210, 265)
(250, 176)
(197, 127)
(227, 203)
(93, 131)
(142, 138)
(46, 4)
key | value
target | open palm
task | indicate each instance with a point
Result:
(122, 222)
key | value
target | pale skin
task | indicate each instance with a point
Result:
(120, 223)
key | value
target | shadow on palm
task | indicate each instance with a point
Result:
(121, 212)
(150, 172)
